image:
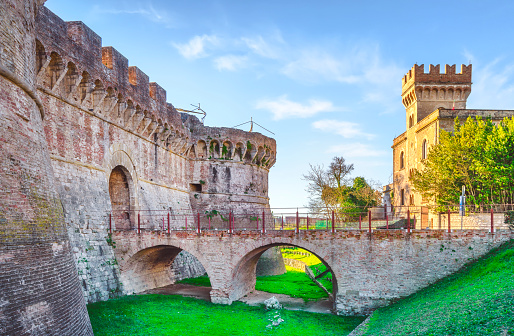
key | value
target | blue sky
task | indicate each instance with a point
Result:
(324, 76)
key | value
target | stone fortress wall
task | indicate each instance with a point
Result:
(117, 147)
(39, 289)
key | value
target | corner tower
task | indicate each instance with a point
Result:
(423, 93)
(39, 286)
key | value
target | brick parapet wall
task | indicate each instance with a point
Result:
(418, 75)
(73, 66)
(231, 144)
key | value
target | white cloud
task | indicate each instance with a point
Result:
(344, 128)
(261, 47)
(230, 62)
(358, 64)
(148, 12)
(283, 108)
(315, 66)
(356, 150)
(196, 47)
(493, 85)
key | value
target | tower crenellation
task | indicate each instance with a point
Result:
(423, 93)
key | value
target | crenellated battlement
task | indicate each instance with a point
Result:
(72, 64)
(422, 92)
(417, 74)
(223, 143)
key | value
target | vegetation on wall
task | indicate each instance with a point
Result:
(478, 155)
(332, 189)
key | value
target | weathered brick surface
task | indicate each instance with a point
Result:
(39, 289)
(368, 271)
(118, 147)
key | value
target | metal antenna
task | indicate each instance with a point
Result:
(251, 127)
(197, 110)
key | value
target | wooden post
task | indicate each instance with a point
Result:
(360, 222)
(282, 227)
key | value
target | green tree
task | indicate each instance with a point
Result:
(478, 155)
(331, 189)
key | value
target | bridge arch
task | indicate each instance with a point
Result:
(151, 267)
(244, 275)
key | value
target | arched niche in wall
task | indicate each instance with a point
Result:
(123, 186)
(119, 192)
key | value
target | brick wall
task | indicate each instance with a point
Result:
(39, 287)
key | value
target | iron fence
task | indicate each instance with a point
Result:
(408, 218)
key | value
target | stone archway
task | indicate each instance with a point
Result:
(244, 274)
(119, 192)
(153, 266)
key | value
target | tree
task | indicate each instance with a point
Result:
(331, 189)
(478, 155)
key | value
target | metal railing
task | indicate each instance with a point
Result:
(408, 218)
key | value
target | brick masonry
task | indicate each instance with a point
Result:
(39, 288)
(117, 147)
(369, 271)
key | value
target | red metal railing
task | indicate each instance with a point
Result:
(407, 218)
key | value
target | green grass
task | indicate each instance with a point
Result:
(294, 283)
(198, 281)
(313, 262)
(163, 315)
(478, 300)
(310, 259)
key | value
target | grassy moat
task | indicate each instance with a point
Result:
(176, 315)
(478, 300)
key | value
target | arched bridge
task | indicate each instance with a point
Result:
(369, 269)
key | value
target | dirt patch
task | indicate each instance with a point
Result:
(255, 298)
(198, 292)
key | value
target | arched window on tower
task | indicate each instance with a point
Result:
(411, 121)
(402, 160)
(402, 197)
(424, 149)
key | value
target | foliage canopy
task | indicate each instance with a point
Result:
(331, 189)
(477, 154)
